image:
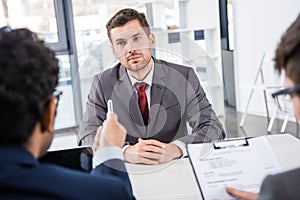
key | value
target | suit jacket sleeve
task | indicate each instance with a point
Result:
(95, 114)
(199, 114)
(272, 189)
(115, 168)
(281, 186)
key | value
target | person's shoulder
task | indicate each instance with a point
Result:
(113, 71)
(165, 65)
(172, 65)
(109, 74)
(288, 176)
(281, 185)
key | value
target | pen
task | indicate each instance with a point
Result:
(110, 106)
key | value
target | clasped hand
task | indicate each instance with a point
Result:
(151, 152)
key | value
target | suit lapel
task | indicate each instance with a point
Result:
(157, 93)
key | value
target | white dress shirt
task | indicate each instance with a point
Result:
(107, 153)
(148, 81)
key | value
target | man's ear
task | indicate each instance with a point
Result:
(152, 40)
(49, 116)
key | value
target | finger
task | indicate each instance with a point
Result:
(111, 115)
(241, 194)
(163, 159)
(140, 140)
(115, 116)
(230, 190)
(233, 192)
(153, 142)
(155, 149)
(150, 155)
(97, 138)
(122, 128)
(147, 161)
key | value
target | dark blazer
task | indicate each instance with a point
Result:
(23, 177)
(176, 98)
(283, 186)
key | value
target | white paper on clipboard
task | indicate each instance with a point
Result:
(240, 163)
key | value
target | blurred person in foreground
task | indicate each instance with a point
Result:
(154, 99)
(286, 185)
(28, 103)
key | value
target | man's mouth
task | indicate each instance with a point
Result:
(133, 58)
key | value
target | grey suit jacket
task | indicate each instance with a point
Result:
(283, 186)
(176, 98)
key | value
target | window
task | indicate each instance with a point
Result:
(230, 24)
(65, 117)
(46, 18)
(93, 47)
(38, 16)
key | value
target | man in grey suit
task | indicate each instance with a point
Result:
(284, 185)
(154, 99)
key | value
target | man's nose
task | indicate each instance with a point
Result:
(131, 47)
(132, 51)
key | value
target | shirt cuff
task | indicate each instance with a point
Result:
(182, 146)
(107, 153)
(125, 147)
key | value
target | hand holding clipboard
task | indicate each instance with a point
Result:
(230, 164)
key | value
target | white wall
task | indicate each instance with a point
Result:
(2, 17)
(202, 13)
(258, 26)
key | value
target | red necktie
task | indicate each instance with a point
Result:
(143, 101)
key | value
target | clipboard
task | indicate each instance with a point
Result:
(240, 163)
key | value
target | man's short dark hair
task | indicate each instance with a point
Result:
(28, 77)
(125, 15)
(287, 56)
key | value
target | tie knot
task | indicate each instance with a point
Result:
(141, 86)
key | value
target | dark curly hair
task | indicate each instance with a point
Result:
(28, 77)
(125, 15)
(287, 56)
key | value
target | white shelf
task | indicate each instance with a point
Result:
(204, 53)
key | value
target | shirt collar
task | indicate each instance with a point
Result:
(147, 79)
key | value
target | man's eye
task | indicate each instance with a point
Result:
(121, 43)
(136, 38)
